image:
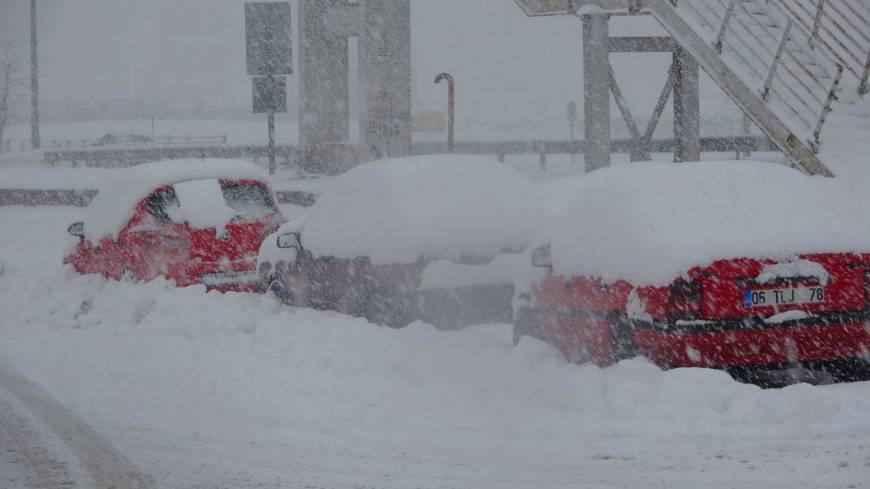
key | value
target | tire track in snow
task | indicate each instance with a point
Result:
(104, 464)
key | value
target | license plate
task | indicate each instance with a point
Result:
(784, 297)
(223, 279)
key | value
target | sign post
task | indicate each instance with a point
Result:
(571, 113)
(269, 53)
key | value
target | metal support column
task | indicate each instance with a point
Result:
(687, 107)
(596, 90)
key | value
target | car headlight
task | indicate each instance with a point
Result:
(541, 257)
(289, 240)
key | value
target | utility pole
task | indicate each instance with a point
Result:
(34, 80)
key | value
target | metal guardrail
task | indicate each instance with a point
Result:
(776, 55)
(22, 145)
(82, 198)
(840, 26)
(293, 156)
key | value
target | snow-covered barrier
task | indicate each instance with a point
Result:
(83, 198)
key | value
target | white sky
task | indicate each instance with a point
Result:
(195, 48)
(188, 49)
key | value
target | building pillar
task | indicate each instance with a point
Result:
(687, 107)
(385, 79)
(324, 96)
(596, 90)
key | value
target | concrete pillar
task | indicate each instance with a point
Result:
(323, 76)
(596, 90)
(687, 107)
(385, 79)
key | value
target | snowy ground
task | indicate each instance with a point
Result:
(205, 390)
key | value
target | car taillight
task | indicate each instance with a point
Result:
(867, 287)
(684, 301)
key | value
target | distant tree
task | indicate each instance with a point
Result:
(12, 83)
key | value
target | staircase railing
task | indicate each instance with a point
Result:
(775, 55)
(840, 26)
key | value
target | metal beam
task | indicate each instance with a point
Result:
(631, 44)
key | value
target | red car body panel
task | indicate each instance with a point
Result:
(148, 248)
(702, 319)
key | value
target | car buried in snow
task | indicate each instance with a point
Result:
(749, 267)
(431, 238)
(191, 221)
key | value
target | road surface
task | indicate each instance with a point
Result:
(44, 445)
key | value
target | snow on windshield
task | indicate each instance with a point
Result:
(202, 204)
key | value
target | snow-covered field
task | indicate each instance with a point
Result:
(206, 390)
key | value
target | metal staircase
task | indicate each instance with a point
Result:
(785, 63)
(842, 27)
(766, 61)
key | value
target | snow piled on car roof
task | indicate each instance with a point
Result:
(116, 201)
(651, 223)
(401, 209)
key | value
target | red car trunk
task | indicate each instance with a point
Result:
(730, 313)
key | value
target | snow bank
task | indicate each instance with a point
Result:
(118, 196)
(215, 390)
(398, 210)
(651, 223)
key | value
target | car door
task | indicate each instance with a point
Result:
(153, 243)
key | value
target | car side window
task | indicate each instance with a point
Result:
(161, 204)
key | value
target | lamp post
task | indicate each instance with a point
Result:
(450, 108)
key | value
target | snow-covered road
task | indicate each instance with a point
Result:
(206, 390)
(43, 444)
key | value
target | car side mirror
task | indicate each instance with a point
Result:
(289, 240)
(77, 229)
(541, 257)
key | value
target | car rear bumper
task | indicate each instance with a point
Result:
(237, 276)
(755, 343)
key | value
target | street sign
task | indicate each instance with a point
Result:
(267, 37)
(534, 8)
(270, 94)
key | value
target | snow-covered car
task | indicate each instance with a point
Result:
(432, 238)
(191, 221)
(750, 267)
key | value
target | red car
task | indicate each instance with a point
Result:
(191, 221)
(748, 267)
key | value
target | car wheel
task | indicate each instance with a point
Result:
(524, 326)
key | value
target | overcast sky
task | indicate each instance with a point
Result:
(166, 49)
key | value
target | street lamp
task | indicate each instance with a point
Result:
(450, 108)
